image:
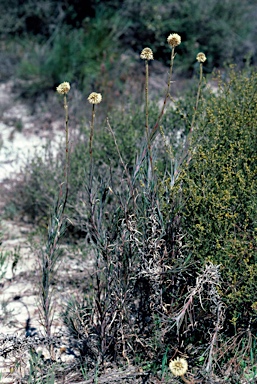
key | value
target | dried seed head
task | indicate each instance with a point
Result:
(178, 367)
(63, 88)
(174, 39)
(147, 54)
(201, 58)
(95, 98)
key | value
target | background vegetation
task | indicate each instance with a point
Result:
(78, 41)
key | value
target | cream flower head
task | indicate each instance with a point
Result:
(174, 39)
(95, 98)
(178, 367)
(201, 58)
(147, 54)
(63, 88)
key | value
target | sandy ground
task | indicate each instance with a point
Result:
(21, 132)
(19, 298)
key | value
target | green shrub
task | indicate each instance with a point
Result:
(73, 54)
(218, 194)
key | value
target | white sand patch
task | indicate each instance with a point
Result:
(15, 151)
(22, 135)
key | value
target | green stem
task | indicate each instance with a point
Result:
(197, 97)
(166, 96)
(152, 133)
(91, 147)
(185, 380)
(146, 100)
(50, 256)
(186, 151)
(67, 138)
(147, 115)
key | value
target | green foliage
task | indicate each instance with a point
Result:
(217, 194)
(75, 42)
(38, 373)
(75, 55)
(221, 29)
(4, 255)
(127, 125)
(37, 191)
(3, 260)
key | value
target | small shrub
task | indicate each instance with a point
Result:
(216, 209)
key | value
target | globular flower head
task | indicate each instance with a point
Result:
(178, 367)
(174, 39)
(63, 88)
(201, 58)
(147, 54)
(95, 98)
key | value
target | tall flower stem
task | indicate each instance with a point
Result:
(91, 147)
(67, 152)
(201, 58)
(147, 116)
(152, 133)
(63, 89)
(185, 380)
(197, 97)
(93, 98)
(50, 254)
(167, 94)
